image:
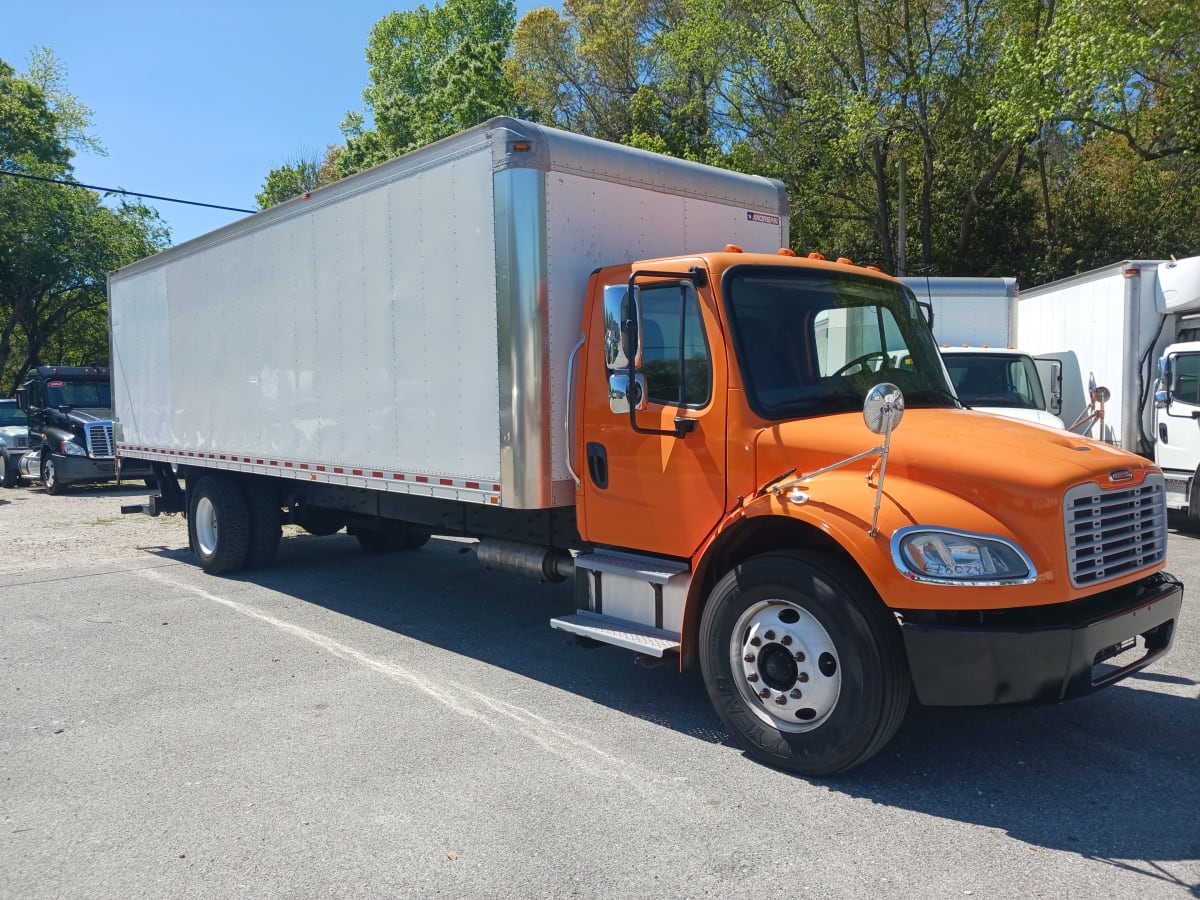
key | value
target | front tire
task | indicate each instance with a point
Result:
(50, 479)
(803, 663)
(219, 524)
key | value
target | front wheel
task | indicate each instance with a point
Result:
(219, 524)
(803, 663)
(50, 478)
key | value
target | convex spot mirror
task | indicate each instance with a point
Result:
(883, 408)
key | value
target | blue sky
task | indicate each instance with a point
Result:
(200, 100)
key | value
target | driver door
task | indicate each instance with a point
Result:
(657, 493)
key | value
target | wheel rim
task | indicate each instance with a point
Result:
(206, 526)
(785, 665)
(50, 479)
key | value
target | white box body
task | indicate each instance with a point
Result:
(409, 328)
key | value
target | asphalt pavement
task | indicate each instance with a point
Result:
(349, 725)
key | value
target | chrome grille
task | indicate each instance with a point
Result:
(99, 439)
(21, 442)
(1115, 532)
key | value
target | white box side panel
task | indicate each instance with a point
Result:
(1089, 318)
(359, 333)
(140, 354)
(593, 223)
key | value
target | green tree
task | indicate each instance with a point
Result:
(433, 72)
(301, 175)
(649, 73)
(57, 243)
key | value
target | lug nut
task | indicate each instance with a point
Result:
(749, 657)
(795, 694)
(802, 677)
(756, 642)
(787, 640)
(764, 693)
(752, 677)
(799, 656)
(770, 635)
(781, 700)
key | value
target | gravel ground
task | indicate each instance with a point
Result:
(83, 526)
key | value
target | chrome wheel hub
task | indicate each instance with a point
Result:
(785, 665)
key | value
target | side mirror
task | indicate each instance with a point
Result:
(623, 350)
(1055, 387)
(21, 403)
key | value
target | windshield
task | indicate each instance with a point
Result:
(10, 415)
(1007, 381)
(814, 341)
(83, 394)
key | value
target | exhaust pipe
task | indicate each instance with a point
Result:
(542, 563)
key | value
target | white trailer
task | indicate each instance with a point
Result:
(1118, 319)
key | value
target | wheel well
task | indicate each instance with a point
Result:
(750, 537)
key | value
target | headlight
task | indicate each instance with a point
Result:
(944, 556)
(70, 448)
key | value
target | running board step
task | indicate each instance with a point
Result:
(607, 630)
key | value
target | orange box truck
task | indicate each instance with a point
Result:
(599, 364)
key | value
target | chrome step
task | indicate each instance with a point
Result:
(618, 632)
(656, 571)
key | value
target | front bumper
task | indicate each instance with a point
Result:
(1043, 654)
(83, 469)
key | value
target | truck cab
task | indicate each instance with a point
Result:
(728, 426)
(14, 440)
(69, 416)
(1177, 424)
(1004, 382)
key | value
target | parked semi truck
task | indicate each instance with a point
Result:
(69, 420)
(1131, 323)
(975, 322)
(599, 364)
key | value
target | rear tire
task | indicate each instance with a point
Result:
(11, 478)
(392, 539)
(218, 524)
(319, 522)
(811, 634)
(266, 522)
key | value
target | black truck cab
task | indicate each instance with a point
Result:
(69, 410)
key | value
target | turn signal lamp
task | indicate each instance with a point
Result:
(786, 251)
(732, 248)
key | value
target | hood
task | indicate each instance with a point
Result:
(89, 416)
(994, 463)
(9, 434)
(1037, 416)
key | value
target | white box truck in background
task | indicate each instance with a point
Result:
(975, 323)
(1122, 320)
(535, 340)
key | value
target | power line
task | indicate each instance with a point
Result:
(93, 187)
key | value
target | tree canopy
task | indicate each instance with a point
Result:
(57, 242)
(1033, 138)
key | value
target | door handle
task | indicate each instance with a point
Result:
(597, 463)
